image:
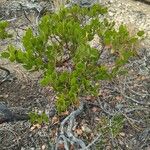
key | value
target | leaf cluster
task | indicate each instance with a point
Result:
(38, 118)
(110, 126)
(3, 33)
(61, 49)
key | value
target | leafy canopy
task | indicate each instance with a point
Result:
(61, 49)
(3, 33)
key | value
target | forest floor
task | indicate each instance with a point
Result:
(123, 104)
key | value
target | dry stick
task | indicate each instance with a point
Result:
(135, 101)
(6, 76)
(24, 12)
(134, 92)
(49, 143)
(72, 137)
(132, 123)
(145, 136)
(136, 108)
(111, 132)
(11, 20)
(105, 111)
(131, 98)
(93, 142)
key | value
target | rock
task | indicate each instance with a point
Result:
(111, 14)
(86, 129)
(5, 112)
(7, 115)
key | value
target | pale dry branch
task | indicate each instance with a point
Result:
(67, 136)
(6, 76)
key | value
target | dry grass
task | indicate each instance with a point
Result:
(58, 4)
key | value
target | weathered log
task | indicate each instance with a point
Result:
(7, 115)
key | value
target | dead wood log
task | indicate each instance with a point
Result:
(6, 115)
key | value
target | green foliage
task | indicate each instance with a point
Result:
(3, 32)
(117, 125)
(140, 33)
(63, 40)
(110, 128)
(38, 118)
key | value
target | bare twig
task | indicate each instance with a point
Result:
(7, 75)
(92, 143)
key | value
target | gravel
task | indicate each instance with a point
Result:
(134, 14)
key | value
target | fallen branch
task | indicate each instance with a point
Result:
(92, 143)
(6, 76)
(7, 116)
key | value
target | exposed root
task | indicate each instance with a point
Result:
(66, 136)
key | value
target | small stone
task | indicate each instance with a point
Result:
(108, 147)
(122, 134)
(79, 131)
(43, 147)
(86, 129)
(111, 14)
(23, 87)
(111, 1)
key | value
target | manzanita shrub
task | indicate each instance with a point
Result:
(61, 50)
(3, 33)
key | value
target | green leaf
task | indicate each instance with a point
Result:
(5, 54)
(3, 24)
(81, 66)
(96, 10)
(133, 39)
(27, 39)
(12, 52)
(117, 124)
(94, 54)
(123, 30)
(46, 80)
(21, 56)
(27, 66)
(33, 116)
(73, 81)
(38, 118)
(140, 33)
(108, 37)
(74, 88)
(44, 117)
(122, 72)
(64, 76)
(103, 73)
(72, 95)
(61, 103)
(3, 32)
